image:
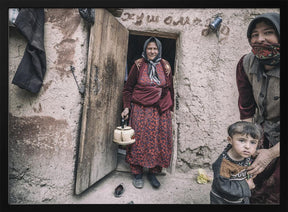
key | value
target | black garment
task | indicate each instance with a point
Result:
(88, 14)
(229, 184)
(32, 68)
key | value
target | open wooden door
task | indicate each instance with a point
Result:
(102, 102)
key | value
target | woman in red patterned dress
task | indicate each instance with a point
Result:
(148, 96)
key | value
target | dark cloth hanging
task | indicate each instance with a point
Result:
(32, 68)
(88, 14)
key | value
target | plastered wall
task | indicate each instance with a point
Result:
(205, 80)
(44, 127)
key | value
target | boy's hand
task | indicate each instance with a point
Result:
(250, 183)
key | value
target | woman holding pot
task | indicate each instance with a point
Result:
(148, 97)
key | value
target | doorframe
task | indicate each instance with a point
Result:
(170, 35)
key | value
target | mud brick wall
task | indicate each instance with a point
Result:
(205, 80)
(44, 127)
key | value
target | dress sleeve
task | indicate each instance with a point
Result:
(169, 78)
(246, 101)
(129, 86)
(171, 87)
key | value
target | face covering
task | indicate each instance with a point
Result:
(267, 54)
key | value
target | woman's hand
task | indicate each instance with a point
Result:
(125, 113)
(264, 157)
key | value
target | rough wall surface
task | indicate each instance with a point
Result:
(43, 128)
(205, 80)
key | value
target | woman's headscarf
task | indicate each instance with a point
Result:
(274, 18)
(267, 54)
(152, 63)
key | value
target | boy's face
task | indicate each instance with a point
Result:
(243, 146)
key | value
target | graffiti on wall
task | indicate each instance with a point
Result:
(140, 19)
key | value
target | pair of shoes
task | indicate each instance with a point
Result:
(153, 180)
(138, 181)
(119, 190)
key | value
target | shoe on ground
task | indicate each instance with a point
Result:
(138, 181)
(119, 190)
(153, 180)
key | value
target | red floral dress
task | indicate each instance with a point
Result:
(153, 132)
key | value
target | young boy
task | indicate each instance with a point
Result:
(231, 185)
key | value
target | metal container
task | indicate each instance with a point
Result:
(124, 135)
(215, 24)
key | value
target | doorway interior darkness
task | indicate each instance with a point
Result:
(135, 49)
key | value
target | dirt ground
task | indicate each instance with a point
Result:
(175, 189)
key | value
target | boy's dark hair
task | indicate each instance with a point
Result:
(245, 128)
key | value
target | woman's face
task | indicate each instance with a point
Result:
(151, 50)
(263, 33)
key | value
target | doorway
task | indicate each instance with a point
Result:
(136, 42)
(107, 59)
(135, 48)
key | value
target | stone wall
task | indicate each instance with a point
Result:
(44, 127)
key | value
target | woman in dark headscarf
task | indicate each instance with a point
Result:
(258, 81)
(148, 96)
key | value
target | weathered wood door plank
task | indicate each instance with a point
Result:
(102, 102)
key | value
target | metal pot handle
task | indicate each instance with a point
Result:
(123, 123)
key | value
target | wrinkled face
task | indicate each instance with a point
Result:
(151, 50)
(263, 33)
(243, 146)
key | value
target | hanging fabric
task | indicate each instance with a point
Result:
(32, 68)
